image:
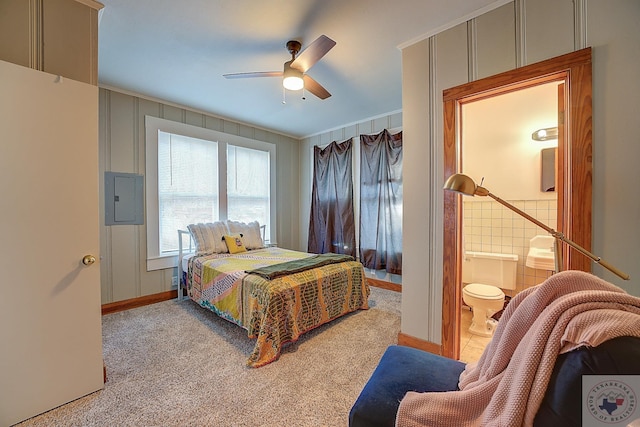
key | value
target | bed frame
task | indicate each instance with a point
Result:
(181, 254)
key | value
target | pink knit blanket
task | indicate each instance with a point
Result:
(506, 386)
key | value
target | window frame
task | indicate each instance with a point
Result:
(155, 260)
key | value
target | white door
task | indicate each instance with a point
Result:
(50, 320)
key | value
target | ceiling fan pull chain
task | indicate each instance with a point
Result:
(284, 95)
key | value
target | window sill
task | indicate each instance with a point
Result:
(162, 262)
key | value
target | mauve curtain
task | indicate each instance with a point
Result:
(381, 201)
(331, 224)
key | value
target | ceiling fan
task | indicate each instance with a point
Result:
(294, 73)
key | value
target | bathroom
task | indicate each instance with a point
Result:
(500, 154)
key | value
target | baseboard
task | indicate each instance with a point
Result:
(384, 284)
(114, 307)
(410, 341)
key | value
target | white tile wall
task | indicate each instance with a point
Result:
(490, 227)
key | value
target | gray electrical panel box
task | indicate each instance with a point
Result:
(123, 198)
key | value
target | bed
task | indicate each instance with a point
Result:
(274, 293)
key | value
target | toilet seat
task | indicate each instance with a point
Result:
(485, 292)
(485, 301)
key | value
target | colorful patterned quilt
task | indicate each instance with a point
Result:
(275, 311)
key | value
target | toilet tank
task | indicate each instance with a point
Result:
(490, 269)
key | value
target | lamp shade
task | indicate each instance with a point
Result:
(292, 77)
(460, 183)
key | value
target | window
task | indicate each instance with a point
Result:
(187, 185)
(199, 175)
(248, 197)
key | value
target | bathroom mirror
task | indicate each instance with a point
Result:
(573, 172)
(548, 170)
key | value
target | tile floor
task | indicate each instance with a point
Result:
(471, 346)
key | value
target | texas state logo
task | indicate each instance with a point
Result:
(611, 402)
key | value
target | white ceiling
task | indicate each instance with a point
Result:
(177, 51)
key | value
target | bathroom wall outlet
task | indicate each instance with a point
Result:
(174, 281)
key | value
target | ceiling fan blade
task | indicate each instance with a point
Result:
(315, 88)
(255, 74)
(312, 54)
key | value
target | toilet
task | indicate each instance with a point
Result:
(486, 274)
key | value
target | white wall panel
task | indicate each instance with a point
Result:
(260, 135)
(549, 29)
(15, 31)
(306, 183)
(150, 281)
(246, 131)
(451, 59)
(380, 124)
(230, 127)
(415, 177)
(213, 123)
(494, 41)
(121, 133)
(123, 158)
(367, 127)
(614, 36)
(124, 262)
(104, 154)
(395, 120)
(325, 139)
(336, 135)
(450, 63)
(172, 113)
(69, 40)
(350, 132)
(146, 107)
(195, 119)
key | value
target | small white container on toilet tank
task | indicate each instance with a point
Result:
(486, 274)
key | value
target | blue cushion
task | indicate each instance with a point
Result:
(401, 369)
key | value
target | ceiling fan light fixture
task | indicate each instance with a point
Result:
(292, 78)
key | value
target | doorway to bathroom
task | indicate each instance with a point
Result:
(573, 171)
(500, 152)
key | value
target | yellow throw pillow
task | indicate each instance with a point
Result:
(234, 243)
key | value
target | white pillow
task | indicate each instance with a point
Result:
(236, 227)
(250, 233)
(253, 239)
(208, 237)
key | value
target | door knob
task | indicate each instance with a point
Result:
(88, 259)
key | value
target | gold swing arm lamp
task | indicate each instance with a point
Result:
(463, 184)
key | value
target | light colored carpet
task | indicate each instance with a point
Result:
(176, 364)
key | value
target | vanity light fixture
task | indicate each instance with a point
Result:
(545, 134)
(463, 184)
(292, 77)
